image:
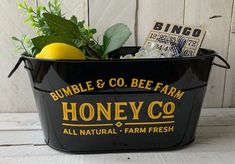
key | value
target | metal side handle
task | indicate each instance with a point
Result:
(21, 59)
(226, 66)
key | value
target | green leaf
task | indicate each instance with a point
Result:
(30, 10)
(15, 38)
(93, 31)
(98, 49)
(115, 37)
(81, 24)
(39, 10)
(61, 26)
(24, 45)
(90, 52)
(74, 19)
(42, 41)
(77, 42)
(20, 6)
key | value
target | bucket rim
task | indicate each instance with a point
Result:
(211, 54)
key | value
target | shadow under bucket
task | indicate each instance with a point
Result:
(120, 105)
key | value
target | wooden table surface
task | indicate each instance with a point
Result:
(21, 141)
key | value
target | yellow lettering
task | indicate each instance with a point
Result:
(149, 85)
(171, 129)
(134, 83)
(65, 131)
(179, 95)
(59, 94)
(136, 110)
(82, 132)
(119, 111)
(75, 89)
(151, 107)
(106, 112)
(172, 91)
(160, 129)
(53, 95)
(72, 111)
(81, 88)
(158, 86)
(141, 84)
(171, 110)
(120, 82)
(89, 86)
(112, 82)
(165, 89)
(67, 91)
(142, 130)
(91, 112)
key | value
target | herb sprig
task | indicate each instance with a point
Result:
(52, 26)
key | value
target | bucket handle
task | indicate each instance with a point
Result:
(226, 66)
(21, 59)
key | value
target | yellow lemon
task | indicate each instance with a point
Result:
(60, 51)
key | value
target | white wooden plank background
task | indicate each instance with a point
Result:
(229, 96)
(11, 89)
(217, 38)
(105, 13)
(21, 141)
(16, 94)
(150, 10)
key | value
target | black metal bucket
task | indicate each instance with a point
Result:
(120, 105)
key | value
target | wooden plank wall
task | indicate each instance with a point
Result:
(217, 38)
(16, 94)
(229, 94)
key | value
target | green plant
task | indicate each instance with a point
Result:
(53, 27)
(35, 16)
(24, 45)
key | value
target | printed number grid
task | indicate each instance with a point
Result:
(165, 46)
